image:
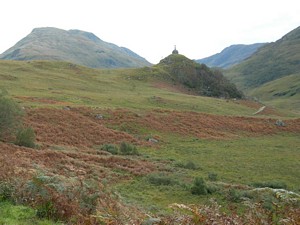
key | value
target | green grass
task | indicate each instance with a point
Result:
(20, 215)
(244, 161)
(281, 93)
(76, 85)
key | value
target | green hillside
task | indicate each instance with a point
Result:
(267, 74)
(74, 46)
(281, 93)
(272, 61)
(70, 84)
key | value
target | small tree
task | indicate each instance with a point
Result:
(113, 149)
(10, 117)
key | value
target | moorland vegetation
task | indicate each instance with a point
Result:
(142, 146)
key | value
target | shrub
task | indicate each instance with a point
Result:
(10, 117)
(128, 149)
(213, 176)
(26, 137)
(234, 195)
(199, 187)
(189, 165)
(212, 188)
(46, 210)
(6, 191)
(113, 149)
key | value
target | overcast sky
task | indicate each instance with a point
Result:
(151, 28)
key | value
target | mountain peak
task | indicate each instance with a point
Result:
(76, 46)
(88, 35)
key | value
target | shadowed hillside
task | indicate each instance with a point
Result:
(231, 55)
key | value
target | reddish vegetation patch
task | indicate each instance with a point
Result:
(12, 161)
(67, 163)
(200, 124)
(65, 127)
(79, 126)
(73, 135)
(74, 132)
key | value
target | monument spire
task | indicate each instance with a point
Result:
(175, 50)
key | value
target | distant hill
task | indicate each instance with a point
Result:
(231, 55)
(197, 78)
(270, 62)
(74, 46)
(272, 73)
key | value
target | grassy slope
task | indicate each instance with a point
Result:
(240, 160)
(75, 46)
(243, 161)
(272, 61)
(74, 85)
(264, 72)
(283, 92)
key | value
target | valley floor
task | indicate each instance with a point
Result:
(231, 153)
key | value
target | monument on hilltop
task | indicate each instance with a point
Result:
(175, 51)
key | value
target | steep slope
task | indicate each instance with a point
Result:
(231, 55)
(272, 61)
(74, 46)
(198, 77)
